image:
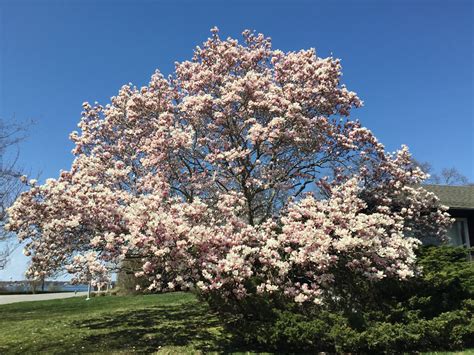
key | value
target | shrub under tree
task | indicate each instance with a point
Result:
(431, 311)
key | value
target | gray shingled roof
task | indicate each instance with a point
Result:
(454, 196)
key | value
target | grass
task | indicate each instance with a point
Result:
(172, 323)
(168, 323)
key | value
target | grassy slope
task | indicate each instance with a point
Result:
(170, 323)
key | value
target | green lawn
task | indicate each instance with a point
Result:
(169, 323)
(173, 323)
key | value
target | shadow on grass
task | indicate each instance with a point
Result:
(147, 330)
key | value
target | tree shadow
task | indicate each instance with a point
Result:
(147, 330)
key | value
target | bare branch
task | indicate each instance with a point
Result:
(11, 134)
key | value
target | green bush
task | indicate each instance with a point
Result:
(433, 311)
(448, 331)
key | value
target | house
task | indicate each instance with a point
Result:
(460, 200)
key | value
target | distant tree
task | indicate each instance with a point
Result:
(450, 176)
(11, 134)
(425, 166)
(447, 176)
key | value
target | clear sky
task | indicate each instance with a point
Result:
(410, 61)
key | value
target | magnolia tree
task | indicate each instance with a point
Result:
(240, 174)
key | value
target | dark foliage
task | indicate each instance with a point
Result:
(433, 311)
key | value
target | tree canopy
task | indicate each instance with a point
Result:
(240, 173)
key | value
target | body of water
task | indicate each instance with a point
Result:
(48, 287)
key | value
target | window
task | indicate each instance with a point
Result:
(458, 233)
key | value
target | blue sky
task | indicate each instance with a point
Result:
(410, 61)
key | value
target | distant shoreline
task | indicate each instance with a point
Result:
(24, 287)
(6, 293)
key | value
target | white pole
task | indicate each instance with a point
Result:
(88, 291)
